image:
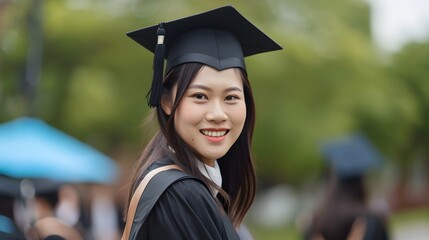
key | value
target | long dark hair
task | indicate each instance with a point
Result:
(237, 166)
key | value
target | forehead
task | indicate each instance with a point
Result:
(213, 77)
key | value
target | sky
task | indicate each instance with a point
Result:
(396, 22)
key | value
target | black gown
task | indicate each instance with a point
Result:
(185, 210)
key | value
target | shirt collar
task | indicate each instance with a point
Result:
(212, 173)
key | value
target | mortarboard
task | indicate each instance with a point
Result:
(220, 38)
(351, 156)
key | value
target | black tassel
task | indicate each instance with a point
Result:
(158, 69)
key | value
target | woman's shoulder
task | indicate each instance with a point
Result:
(161, 162)
(189, 187)
(184, 184)
(164, 161)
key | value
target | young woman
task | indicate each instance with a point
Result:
(344, 212)
(206, 115)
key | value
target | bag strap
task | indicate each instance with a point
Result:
(137, 195)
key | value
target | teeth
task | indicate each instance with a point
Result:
(213, 133)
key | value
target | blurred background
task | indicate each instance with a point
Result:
(348, 66)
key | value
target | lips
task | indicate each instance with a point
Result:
(214, 133)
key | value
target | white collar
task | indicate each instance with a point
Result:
(212, 173)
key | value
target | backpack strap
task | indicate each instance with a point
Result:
(155, 193)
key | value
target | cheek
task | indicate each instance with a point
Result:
(238, 116)
(187, 114)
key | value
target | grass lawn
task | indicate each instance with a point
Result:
(409, 216)
(277, 233)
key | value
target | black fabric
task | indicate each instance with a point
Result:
(185, 210)
(233, 38)
(216, 48)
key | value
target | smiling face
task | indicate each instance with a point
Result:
(212, 112)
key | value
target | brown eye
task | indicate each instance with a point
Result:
(231, 98)
(199, 96)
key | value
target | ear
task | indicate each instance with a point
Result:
(166, 104)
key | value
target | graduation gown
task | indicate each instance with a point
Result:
(185, 210)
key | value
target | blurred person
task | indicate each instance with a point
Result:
(52, 228)
(68, 207)
(8, 227)
(104, 216)
(74, 208)
(205, 111)
(44, 223)
(344, 212)
(45, 204)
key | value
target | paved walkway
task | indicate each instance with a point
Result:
(412, 231)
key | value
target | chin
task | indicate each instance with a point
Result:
(214, 156)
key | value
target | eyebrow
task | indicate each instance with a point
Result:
(230, 89)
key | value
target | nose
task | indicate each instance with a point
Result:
(216, 112)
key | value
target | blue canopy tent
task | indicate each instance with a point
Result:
(30, 148)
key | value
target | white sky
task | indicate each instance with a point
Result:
(395, 22)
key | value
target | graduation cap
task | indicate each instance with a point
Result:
(351, 156)
(219, 38)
